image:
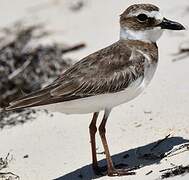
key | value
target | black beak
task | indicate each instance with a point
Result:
(168, 24)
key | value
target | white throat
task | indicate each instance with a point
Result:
(151, 35)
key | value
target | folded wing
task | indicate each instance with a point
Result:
(99, 73)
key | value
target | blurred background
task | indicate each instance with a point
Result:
(40, 39)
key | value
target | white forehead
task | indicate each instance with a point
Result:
(152, 14)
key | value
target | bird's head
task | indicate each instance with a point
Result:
(145, 22)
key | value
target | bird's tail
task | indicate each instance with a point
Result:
(31, 100)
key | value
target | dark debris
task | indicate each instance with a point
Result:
(18, 117)
(4, 162)
(175, 171)
(148, 173)
(25, 68)
(177, 150)
(26, 156)
(3, 165)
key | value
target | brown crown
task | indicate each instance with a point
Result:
(132, 23)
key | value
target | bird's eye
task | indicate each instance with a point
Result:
(142, 17)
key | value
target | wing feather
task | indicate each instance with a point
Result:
(99, 73)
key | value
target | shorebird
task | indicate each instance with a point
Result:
(110, 76)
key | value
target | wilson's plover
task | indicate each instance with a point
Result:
(110, 76)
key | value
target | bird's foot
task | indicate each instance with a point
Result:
(120, 172)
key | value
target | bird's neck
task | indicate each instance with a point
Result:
(150, 36)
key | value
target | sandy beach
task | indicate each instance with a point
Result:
(57, 146)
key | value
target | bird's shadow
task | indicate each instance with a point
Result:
(138, 157)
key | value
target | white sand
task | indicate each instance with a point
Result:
(58, 147)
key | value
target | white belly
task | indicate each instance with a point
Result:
(101, 102)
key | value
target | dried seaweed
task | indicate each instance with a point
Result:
(9, 176)
(177, 150)
(19, 117)
(28, 68)
(175, 171)
(153, 155)
(3, 165)
(4, 162)
(25, 68)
